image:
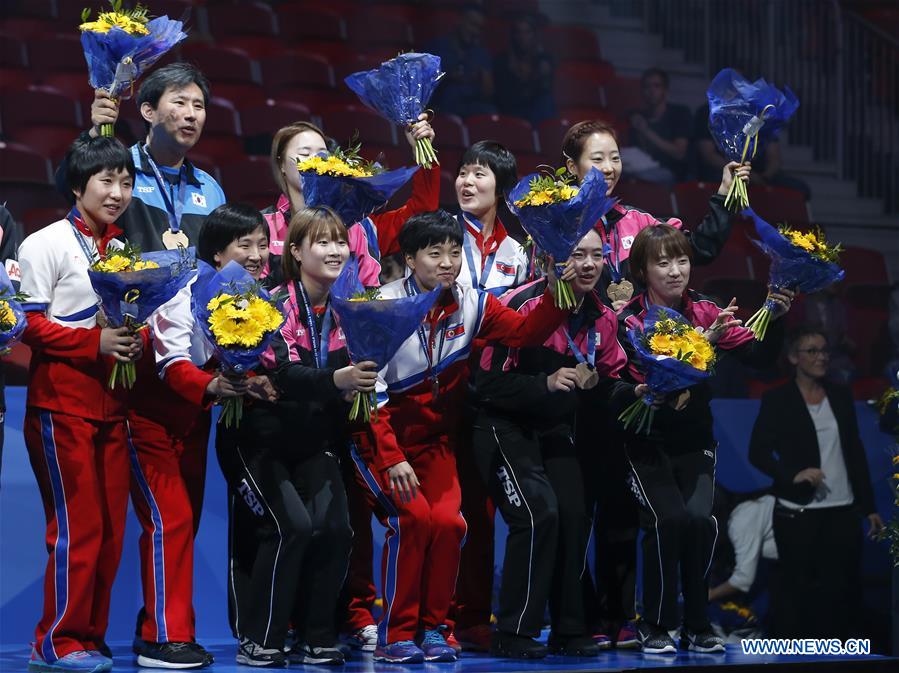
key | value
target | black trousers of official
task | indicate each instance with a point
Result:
(817, 591)
(538, 486)
(289, 542)
(675, 494)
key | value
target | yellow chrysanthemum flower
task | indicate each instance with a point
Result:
(141, 265)
(7, 317)
(115, 264)
(109, 20)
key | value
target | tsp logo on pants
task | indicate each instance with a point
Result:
(508, 486)
(250, 498)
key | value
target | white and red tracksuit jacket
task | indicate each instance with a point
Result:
(411, 418)
(495, 264)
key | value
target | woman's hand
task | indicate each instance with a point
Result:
(723, 322)
(104, 110)
(420, 129)
(782, 300)
(562, 380)
(733, 170)
(224, 385)
(403, 482)
(120, 343)
(568, 274)
(262, 388)
(360, 377)
(642, 389)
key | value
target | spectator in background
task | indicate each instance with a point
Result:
(826, 311)
(467, 87)
(524, 74)
(806, 439)
(661, 130)
(767, 167)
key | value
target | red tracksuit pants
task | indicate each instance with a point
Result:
(423, 541)
(81, 468)
(168, 477)
(359, 587)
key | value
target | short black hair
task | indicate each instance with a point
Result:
(803, 332)
(426, 229)
(90, 156)
(226, 224)
(497, 158)
(172, 76)
(656, 72)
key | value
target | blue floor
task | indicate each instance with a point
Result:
(15, 659)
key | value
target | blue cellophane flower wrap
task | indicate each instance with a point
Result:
(556, 228)
(233, 279)
(791, 268)
(135, 295)
(375, 329)
(8, 294)
(737, 107)
(663, 374)
(105, 52)
(400, 88)
(353, 199)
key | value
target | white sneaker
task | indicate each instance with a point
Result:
(365, 639)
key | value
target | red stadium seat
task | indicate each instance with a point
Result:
(41, 9)
(622, 94)
(437, 23)
(447, 188)
(869, 388)
(692, 200)
(778, 204)
(729, 263)
(246, 18)
(315, 99)
(13, 52)
(37, 218)
(256, 46)
(579, 83)
(451, 132)
(22, 196)
(70, 10)
(221, 134)
(295, 70)
(515, 133)
(249, 179)
(864, 266)
(51, 141)
(648, 196)
(270, 116)
(38, 106)
(757, 388)
(867, 328)
(21, 163)
(343, 122)
(528, 162)
(28, 28)
(230, 70)
(571, 43)
(370, 27)
(298, 23)
(870, 295)
(50, 54)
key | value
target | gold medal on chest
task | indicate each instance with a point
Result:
(621, 291)
(587, 376)
(173, 240)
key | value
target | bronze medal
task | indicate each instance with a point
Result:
(621, 291)
(587, 376)
(173, 240)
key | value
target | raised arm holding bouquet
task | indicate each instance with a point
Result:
(122, 44)
(801, 262)
(557, 214)
(399, 90)
(742, 115)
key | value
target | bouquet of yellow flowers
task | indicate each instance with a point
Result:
(557, 214)
(12, 315)
(674, 356)
(349, 184)
(238, 319)
(120, 45)
(803, 262)
(131, 286)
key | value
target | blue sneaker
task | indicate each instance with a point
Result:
(400, 652)
(82, 661)
(435, 647)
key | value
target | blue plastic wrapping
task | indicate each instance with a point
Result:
(556, 228)
(137, 294)
(353, 199)
(400, 88)
(7, 294)
(233, 279)
(741, 110)
(376, 329)
(105, 53)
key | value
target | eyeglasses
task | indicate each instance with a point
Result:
(816, 352)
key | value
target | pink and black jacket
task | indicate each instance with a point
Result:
(511, 382)
(685, 430)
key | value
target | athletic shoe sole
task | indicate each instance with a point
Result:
(716, 649)
(668, 649)
(43, 667)
(627, 644)
(446, 657)
(247, 661)
(362, 647)
(415, 659)
(147, 662)
(318, 661)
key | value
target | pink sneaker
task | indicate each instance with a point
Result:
(627, 636)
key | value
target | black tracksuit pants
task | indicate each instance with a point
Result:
(675, 494)
(537, 484)
(289, 542)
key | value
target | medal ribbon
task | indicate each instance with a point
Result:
(590, 358)
(174, 207)
(319, 344)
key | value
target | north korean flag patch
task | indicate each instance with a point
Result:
(455, 331)
(505, 269)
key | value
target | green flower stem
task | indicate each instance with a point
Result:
(758, 323)
(232, 411)
(425, 154)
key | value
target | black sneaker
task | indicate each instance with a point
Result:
(252, 654)
(202, 650)
(171, 655)
(510, 646)
(654, 639)
(573, 646)
(320, 656)
(704, 641)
